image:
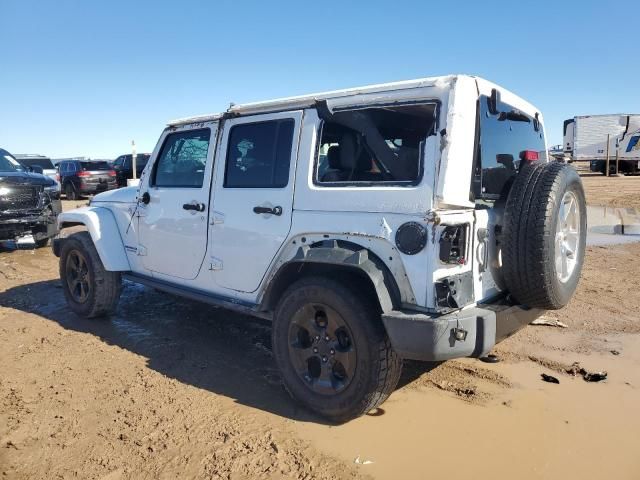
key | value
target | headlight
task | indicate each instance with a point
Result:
(53, 191)
(4, 191)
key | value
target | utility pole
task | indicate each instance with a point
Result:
(607, 167)
(617, 156)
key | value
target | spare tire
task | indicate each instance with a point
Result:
(544, 235)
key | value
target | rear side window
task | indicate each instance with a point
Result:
(182, 160)
(374, 145)
(502, 140)
(259, 154)
(45, 163)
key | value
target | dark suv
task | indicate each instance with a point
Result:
(79, 177)
(123, 165)
(29, 203)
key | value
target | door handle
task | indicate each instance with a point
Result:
(483, 242)
(197, 207)
(277, 210)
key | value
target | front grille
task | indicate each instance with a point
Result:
(20, 198)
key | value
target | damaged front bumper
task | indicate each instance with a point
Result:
(472, 332)
(39, 223)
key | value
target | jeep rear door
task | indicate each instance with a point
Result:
(253, 196)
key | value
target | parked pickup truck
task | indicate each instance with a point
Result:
(409, 220)
(29, 203)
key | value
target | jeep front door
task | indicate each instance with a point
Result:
(173, 216)
(253, 197)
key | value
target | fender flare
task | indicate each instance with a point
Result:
(328, 253)
(104, 231)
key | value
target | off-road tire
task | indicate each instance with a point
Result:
(70, 192)
(43, 242)
(378, 367)
(104, 286)
(529, 230)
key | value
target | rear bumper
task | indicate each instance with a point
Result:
(418, 336)
(94, 188)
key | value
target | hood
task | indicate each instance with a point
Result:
(120, 195)
(24, 178)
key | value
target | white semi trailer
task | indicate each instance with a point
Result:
(585, 139)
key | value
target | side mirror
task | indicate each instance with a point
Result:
(36, 169)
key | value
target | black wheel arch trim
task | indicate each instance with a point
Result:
(341, 254)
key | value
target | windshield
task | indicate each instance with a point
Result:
(8, 163)
(43, 162)
(93, 166)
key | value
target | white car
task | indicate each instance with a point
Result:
(405, 220)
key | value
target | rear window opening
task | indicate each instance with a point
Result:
(374, 145)
(95, 166)
(43, 162)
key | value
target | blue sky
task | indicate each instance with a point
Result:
(87, 77)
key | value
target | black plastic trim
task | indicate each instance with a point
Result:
(199, 295)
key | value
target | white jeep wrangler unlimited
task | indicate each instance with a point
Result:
(416, 220)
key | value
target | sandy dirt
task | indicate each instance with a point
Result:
(623, 191)
(170, 388)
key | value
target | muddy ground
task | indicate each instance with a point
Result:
(170, 388)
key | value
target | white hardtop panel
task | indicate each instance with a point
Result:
(507, 96)
(379, 93)
(614, 115)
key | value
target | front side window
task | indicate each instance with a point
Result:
(374, 145)
(259, 154)
(182, 160)
(8, 163)
(503, 139)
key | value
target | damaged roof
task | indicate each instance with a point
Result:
(304, 101)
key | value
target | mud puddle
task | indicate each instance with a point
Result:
(533, 430)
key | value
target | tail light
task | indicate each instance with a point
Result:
(529, 155)
(112, 173)
(82, 173)
(58, 177)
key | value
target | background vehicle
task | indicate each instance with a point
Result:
(585, 138)
(29, 203)
(123, 166)
(369, 224)
(85, 178)
(45, 163)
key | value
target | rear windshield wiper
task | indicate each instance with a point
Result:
(514, 115)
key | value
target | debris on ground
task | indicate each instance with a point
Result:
(357, 461)
(549, 322)
(594, 377)
(491, 358)
(549, 378)
(615, 352)
(576, 369)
